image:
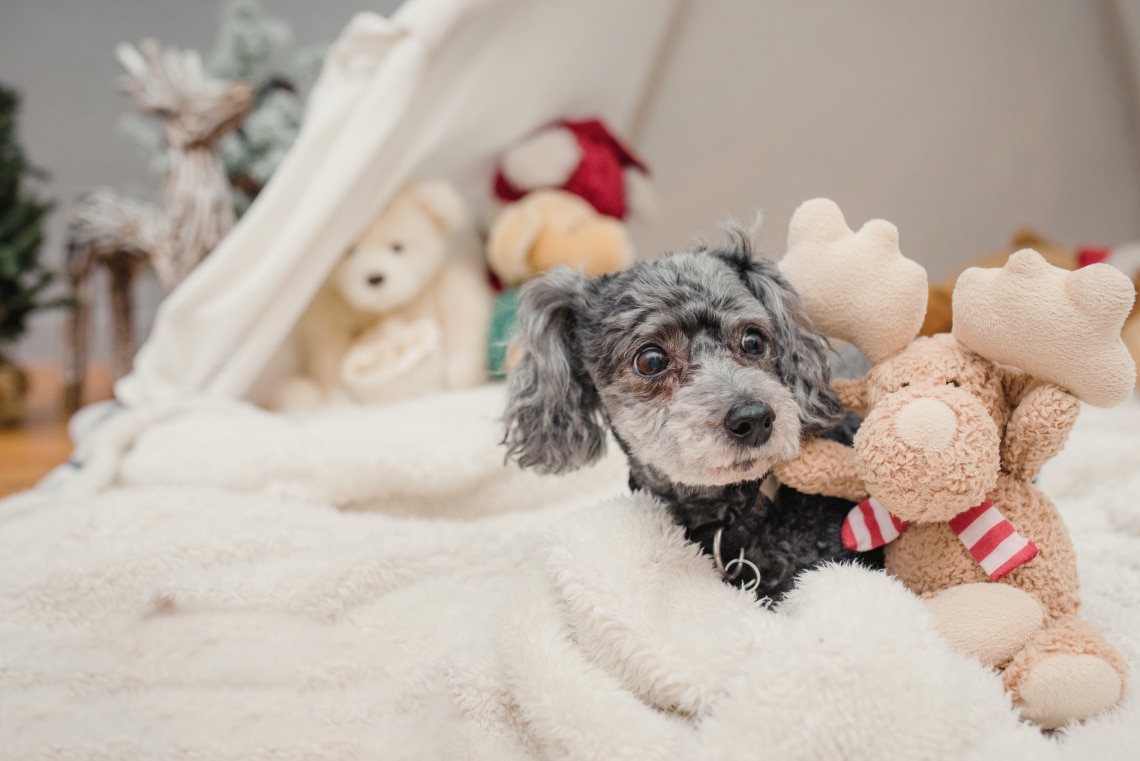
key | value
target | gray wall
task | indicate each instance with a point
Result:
(959, 121)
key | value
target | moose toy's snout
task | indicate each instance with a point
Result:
(926, 424)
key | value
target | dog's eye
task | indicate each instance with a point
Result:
(650, 361)
(396, 247)
(905, 384)
(751, 342)
(953, 383)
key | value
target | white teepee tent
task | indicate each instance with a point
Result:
(436, 90)
(735, 104)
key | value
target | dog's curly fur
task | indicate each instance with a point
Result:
(579, 341)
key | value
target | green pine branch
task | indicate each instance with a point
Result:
(23, 277)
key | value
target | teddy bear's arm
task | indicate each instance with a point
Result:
(823, 467)
(325, 332)
(465, 305)
(323, 355)
(1037, 429)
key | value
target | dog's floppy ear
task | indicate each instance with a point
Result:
(552, 406)
(801, 357)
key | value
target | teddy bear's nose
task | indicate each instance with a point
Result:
(375, 279)
(926, 424)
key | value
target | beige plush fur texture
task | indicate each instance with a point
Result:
(1007, 427)
(939, 309)
(948, 424)
(991, 621)
(1056, 325)
(547, 228)
(939, 312)
(862, 289)
(407, 317)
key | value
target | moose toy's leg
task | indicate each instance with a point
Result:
(1066, 672)
(992, 622)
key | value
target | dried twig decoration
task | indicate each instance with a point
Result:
(121, 234)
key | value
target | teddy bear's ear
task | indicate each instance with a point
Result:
(442, 203)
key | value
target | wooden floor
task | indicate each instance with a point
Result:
(27, 453)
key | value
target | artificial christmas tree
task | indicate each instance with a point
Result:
(23, 277)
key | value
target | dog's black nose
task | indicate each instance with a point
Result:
(750, 423)
(375, 279)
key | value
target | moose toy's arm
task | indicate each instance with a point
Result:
(1038, 427)
(823, 467)
(856, 286)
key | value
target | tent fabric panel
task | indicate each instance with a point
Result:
(442, 85)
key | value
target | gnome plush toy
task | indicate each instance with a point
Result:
(568, 191)
(582, 158)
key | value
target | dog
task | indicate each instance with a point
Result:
(708, 373)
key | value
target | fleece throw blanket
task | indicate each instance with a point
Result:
(220, 583)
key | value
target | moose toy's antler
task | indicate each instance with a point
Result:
(856, 286)
(1056, 325)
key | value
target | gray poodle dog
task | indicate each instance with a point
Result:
(708, 372)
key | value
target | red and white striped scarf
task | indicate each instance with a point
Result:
(987, 534)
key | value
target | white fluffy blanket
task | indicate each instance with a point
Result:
(220, 583)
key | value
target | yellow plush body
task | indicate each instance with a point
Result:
(547, 228)
(951, 421)
(544, 229)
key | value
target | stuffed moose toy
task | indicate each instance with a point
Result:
(956, 428)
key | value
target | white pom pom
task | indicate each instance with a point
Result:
(544, 161)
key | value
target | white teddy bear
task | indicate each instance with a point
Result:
(395, 318)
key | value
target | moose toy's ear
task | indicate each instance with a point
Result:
(442, 203)
(552, 414)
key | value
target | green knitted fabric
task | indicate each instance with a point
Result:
(502, 331)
